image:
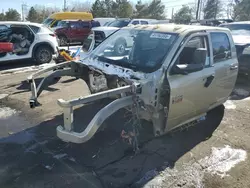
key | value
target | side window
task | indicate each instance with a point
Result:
(76, 25)
(144, 22)
(194, 52)
(34, 28)
(85, 24)
(221, 47)
(135, 22)
(3, 27)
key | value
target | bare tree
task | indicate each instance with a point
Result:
(80, 6)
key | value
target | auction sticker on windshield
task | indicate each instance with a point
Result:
(160, 36)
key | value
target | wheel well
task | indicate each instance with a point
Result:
(62, 35)
(42, 44)
(121, 39)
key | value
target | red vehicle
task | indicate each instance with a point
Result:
(69, 31)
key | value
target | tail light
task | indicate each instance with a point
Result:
(53, 35)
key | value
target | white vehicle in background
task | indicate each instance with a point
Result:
(104, 21)
(100, 33)
(30, 41)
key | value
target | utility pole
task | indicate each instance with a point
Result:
(198, 9)
(172, 17)
(64, 5)
(23, 12)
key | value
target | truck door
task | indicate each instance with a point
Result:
(225, 63)
(191, 91)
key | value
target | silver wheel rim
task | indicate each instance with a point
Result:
(44, 55)
(121, 48)
(63, 41)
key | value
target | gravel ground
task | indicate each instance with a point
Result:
(212, 154)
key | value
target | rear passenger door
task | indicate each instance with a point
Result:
(225, 63)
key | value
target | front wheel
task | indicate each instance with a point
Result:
(120, 47)
(43, 55)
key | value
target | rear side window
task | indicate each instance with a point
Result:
(3, 27)
(144, 22)
(85, 24)
(76, 25)
(34, 28)
(221, 46)
(135, 22)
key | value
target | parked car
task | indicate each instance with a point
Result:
(30, 41)
(54, 19)
(69, 31)
(98, 34)
(241, 36)
(104, 21)
(171, 75)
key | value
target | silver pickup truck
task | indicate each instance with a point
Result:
(171, 75)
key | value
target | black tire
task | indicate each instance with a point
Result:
(63, 41)
(43, 54)
(120, 47)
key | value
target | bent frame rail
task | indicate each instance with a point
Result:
(66, 132)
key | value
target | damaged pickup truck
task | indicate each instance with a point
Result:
(173, 75)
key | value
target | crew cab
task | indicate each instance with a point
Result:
(171, 75)
(69, 31)
(241, 36)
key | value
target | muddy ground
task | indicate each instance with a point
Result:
(31, 156)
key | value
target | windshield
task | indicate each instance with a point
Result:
(118, 23)
(142, 50)
(239, 29)
(48, 21)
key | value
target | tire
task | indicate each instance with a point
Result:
(120, 47)
(63, 41)
(43, 54)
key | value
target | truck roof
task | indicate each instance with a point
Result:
(175, 28)
(242, 22)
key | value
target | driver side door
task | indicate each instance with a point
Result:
(191, 93)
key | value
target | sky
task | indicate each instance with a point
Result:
(17, 4)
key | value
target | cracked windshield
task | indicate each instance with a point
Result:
(134, 48)
(124, 93)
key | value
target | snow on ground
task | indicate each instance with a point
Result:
(6, 112)
(219, 163)
(229, 104)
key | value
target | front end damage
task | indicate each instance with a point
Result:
(128, 88)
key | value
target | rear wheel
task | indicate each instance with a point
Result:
(43, 55)
(63, 41)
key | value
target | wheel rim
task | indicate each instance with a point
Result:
(120, 48)
(44, 55)
(63, 41)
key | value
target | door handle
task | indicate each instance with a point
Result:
(209, 80)
(233, 67)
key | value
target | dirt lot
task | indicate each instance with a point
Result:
(212, 154)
